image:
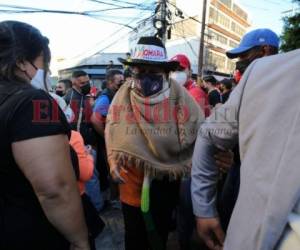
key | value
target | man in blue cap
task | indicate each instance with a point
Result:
(255, 44)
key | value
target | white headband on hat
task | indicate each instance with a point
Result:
(149, 53)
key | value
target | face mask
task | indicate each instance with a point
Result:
(38, 80)
(179, 76)
(151, 84)
(59, 93)
(241, 66)
(85, 89)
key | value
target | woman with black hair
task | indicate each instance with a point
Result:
(214, 95)
(40, 206)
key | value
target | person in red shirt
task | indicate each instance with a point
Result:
(183, 76)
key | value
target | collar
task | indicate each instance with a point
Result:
(77, 91)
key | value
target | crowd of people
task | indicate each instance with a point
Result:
(207, 156)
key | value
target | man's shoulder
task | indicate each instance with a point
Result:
(72, 93)
(272, 67)
(102, 100)
(280, 60)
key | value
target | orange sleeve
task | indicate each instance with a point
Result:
(85, 160)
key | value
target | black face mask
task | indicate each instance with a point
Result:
(59, 93)
(85, 89)
(151, 84)
(241, 66)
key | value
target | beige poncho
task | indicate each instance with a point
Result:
(156, 134)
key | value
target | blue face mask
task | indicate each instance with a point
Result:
(150, 83)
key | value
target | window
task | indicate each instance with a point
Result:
(237, 29)
(240, 12)
(217, 37)
(213, 15)
(226, 2)
(216, 17)
(223, 20)
(233, 44)
(216, 60)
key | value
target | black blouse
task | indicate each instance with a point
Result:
(25, 113)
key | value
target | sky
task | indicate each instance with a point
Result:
(267, 13)
(75, 36)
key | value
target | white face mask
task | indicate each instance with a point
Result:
(38, 80)
(179, 76)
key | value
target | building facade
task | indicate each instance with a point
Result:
(226, 23)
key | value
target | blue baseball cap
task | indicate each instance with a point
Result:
(257, 37)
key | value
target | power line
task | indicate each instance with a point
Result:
(18, 7)
(103, 10)
(29, 10)
(189, 44)
(135, 6)
(25, 10)
(255, 7)
(189, 17)
(110, 4)
(45, 11)
(114, 33)
(84, 13)
(118, 39)
(109, 21)
(110, 45)
(124, 2)
(272, 2)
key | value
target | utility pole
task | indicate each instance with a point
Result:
(201, 47)
(160, 21)
(164, 20)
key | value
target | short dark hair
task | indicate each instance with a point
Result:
(210, 79)
(21, 42)
(67, 83)
(227, 83)
(78, 73)
(111, 73)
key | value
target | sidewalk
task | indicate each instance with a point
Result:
(112, 237)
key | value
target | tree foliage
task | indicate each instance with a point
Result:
(291, 32)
